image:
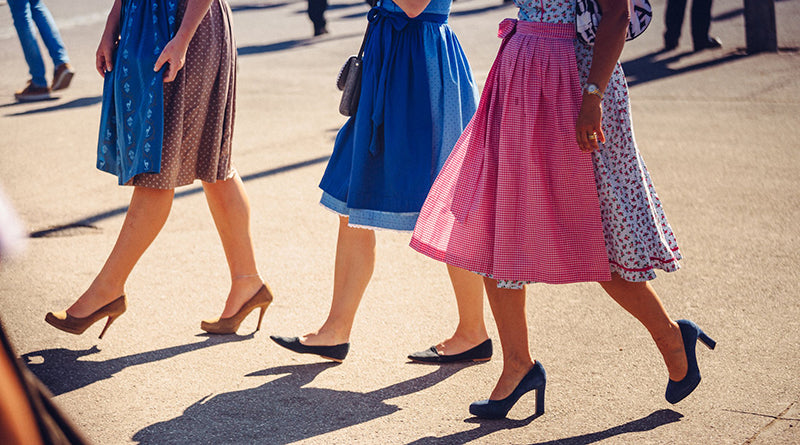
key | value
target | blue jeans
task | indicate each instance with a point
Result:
(25, 13)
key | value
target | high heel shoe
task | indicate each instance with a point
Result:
(536, 379)
(677, 391)
(75, 325)
(229, 325)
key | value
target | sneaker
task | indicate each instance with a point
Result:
(62, 76)
(32, 93)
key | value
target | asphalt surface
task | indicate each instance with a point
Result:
(717, 129)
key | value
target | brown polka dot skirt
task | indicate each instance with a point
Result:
(199, 107)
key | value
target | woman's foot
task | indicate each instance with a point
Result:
(260, 300)
(93, 299)
(446, 352)
(534, 379)
(336, 353)
(242, 290)
(677, 390)
(458, 344)
(513, 373)
(324, 337)
(671, 347)
(77, 325)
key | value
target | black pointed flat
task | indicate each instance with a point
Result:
(480, 353)
(336, 353)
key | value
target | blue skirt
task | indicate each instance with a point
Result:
(417, 96)
(132, 117)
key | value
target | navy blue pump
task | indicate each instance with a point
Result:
(535, 379)
(691, 333)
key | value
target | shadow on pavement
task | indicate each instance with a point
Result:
(652, 421)
(289, 44)
(62, 370)
(75, 103)
(283, 410)
(256, 6)
(649, 67)
(88, 222)
(486, 427)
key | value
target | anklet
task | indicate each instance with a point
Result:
(237, 277)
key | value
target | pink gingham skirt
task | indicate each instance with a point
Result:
(517, 199)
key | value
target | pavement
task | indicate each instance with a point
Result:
(717, 129)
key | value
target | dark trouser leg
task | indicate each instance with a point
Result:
(701, 21)
(316, 12)
(673, 18)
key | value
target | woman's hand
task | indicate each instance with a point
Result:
(174, 56)
(608, 43)
(104, 58)
(588, 130)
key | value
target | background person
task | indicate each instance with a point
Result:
(25, 14)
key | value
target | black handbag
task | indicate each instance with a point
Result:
(349, 79)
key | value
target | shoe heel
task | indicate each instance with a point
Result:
(540, 400)
(111, 319)
(706, 340)
(261, 317)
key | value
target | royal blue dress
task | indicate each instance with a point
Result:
(417, 96)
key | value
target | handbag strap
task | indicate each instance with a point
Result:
(371, 16)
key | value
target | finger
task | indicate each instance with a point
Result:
(162, 59)
(580, 136)
(601, 136)
(108, 56)
(170, 73)
(100, 65)
(592, 139)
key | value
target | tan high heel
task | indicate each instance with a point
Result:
(75, 325)
(229, 325)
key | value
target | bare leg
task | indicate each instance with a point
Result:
(471, 329)
(641, 300)
(230, 209)
(508, 308)
(355, 262)
(146, 216)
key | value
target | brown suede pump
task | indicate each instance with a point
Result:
(229, 325)
(75, 325)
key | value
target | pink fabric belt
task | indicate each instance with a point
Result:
(550, 30)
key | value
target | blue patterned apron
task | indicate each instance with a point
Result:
(132, 118)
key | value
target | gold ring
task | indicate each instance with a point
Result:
(592, 137)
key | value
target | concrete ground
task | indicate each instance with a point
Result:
(717, 128)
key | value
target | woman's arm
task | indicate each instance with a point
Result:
(175, 51)
(104, 58)
(608, 44)
(412, 8)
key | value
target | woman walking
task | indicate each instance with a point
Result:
(417, 95)
(167, 120)
(547, 185)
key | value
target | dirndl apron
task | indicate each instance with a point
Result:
(517, 199)
(132, 116)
